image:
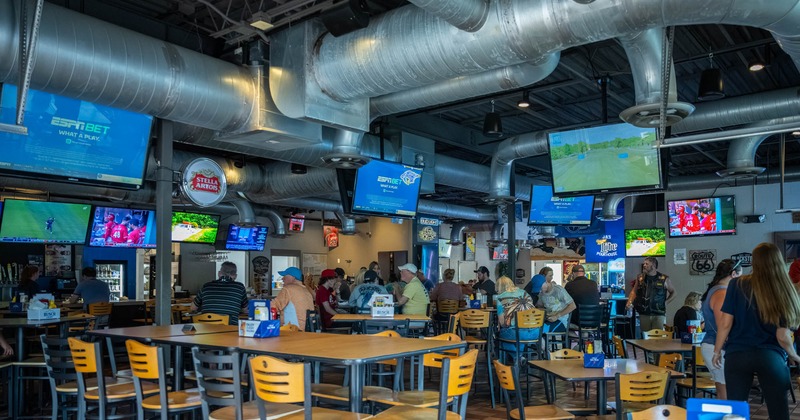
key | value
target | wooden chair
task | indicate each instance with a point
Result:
(63, 378)
(509, 383)
(619, 347)
(102, 313)
(149, 313)
(373, 326)
(656, 334)
(660, 412)
(290, 328)
(219, 379)
(639, 391)
(565, 354)
(93, 388)
(277, 381)
(445, 308)
(691, 385)
(477, 327)
(669, 329)
(211, 319)
(457, 374)
(147, 364)
(671, 361)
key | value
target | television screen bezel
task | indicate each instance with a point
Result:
(699, 235)
(530, 211)
(385, 214)
(259, 247)
(88, 241)
(644, 256)
(649, 187)
(85, 181)
(82, 241)
(194, 242)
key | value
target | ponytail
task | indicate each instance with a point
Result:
(725, 268)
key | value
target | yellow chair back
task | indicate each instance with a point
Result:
(670, 361)
(619, 346)
(435, 359)
(211, 319)
(100, 308)
(447, 306)
(699, 360)
(83, 355)
(453, 325)
(474, 319)
(143, 359)
(660, 412)
(565, 354)
(656, 334)
(531, 318)
(642, 386)
(388, 333)
(277, 381)
(462, 369)
(289, 328)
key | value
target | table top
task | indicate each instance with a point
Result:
(362, 317)
(154, 331)
(573, 370)
(25, 322)
(663, 345)
(336, 348)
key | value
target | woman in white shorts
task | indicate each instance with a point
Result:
(712, 299)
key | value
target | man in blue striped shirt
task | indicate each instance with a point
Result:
(223, 296)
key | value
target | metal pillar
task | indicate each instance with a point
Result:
(164, 223)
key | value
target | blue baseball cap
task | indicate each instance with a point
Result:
(292, 271)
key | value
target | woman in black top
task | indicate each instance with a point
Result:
(27, 281)
(690, 311)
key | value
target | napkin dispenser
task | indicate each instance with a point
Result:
(259, 329)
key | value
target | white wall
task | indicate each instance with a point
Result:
(762, 199)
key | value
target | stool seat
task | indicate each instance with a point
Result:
(250, 411)
(543, 412)
(37, 361)
(175, 400)
(122, 391)
(342, 393)
(702, 383)
(405, 412)
(91, 384)
(318, 413)
(424, 398)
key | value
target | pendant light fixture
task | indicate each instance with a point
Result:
(525, 102)
(492, 126)
(711, 87)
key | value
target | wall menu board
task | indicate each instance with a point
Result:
(73, 140)
(387, 189)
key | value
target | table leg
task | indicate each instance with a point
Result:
(601, 398)
(178, 368)
(356, 386)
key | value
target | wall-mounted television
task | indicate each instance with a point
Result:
(702, 216)
(74, 141)
(387, 189)
(650, 242)
(549, 210)
(500, 253)
(297, 224)
(242, 238)
(194, 227)
(44, 222)
(115, 227)
(617, 157)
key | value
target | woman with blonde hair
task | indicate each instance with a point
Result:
(690, 311)
(510, 299)
(758, 312)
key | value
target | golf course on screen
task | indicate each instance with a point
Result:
(39, 221)
(604, 158)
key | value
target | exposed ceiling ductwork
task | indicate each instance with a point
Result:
(742, 151)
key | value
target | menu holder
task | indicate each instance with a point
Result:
(259, 329)
(381, 306)
(188, 328)
(594, 360)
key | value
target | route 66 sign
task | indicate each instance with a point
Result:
(702, 261)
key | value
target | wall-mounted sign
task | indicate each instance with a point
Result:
(609, 244)
(331, 236)
(427, 230)
(203, 182)
(469, 246)
(745, 257)
(702, 261)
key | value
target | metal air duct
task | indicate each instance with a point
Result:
(742, 110)
(465, 15)
(496, 237)
(742, 151)
(474, 177)
(348, 224)
(645, 54)
(279, 230)
(247, 216)
(522, 146)
(346, 153)
(457, 232)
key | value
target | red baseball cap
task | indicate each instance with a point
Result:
(794, 271)
(327, 273)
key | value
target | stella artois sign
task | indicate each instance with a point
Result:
(203, 182)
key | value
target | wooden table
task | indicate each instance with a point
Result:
(573, 371)
(352, 350)
(661, 345)
(21, 323)
(362, 317)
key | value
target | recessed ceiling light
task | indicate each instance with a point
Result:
(273, 141)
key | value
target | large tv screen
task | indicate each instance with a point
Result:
(387, 189)
(602, 159)
(73, 140)
(702, 216)
(123, 228)
(242, 238)
(194, 227)
(44, 222)
(645, 242)
(549, 210)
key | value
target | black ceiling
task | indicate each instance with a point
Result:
(569, 97)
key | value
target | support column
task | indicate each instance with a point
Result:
(164, 173)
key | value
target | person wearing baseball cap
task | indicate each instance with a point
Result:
(294, 299)
(344, 286)
(363, 293)
(485, 284)
(415, 299)
(326, 298)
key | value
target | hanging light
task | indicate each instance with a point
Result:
(525, 101)
(711, 87)
(492, 126)
(758, 64)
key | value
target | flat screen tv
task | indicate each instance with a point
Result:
(387, 189)
(645, 242)
(618, 157)
(44, 222)
(549, 210)
(702, 216)
(114, 227)
(194, 227)
(297, 224)
(242, 238)
(74, 141)
(500, 253)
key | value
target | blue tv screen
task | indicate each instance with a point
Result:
(242, 238)
(387, 189)
(617, 157)
(73, 140)
(123, 228)
(44, 222)
(549, 210)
